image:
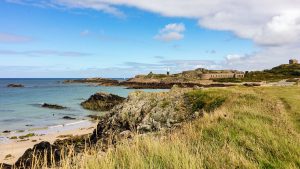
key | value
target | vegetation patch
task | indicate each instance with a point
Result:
(201, 100)
(27, 136)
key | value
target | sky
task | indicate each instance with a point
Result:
(122, 38)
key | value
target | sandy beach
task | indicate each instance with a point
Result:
(12, 149)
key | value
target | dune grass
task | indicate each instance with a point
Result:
(254, 128)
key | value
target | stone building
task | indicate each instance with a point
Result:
(293, 61)
(222, 75)
(205, 74)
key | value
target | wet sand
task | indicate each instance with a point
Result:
(12, 149)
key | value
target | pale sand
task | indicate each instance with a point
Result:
(16, 148)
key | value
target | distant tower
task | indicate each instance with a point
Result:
(293, 61)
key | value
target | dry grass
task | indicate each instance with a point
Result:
(255, 128)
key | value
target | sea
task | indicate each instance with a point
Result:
(20, 108)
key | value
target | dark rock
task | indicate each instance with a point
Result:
(52, 106)
(15, 85)
(252, 84)
(43, 150)
(69, 118)
(102, 101)
(98, 81)
(6, 166)
(6, 131)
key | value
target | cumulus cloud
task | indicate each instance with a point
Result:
(12, 38)
(171, 32)
(268, 22)
(273, 25)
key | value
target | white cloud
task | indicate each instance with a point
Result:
(273, 25)
(171, 32)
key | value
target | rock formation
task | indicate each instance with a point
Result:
(69, 118)
(99, 81)
(52, 106)
(102, 101)
(15, 85)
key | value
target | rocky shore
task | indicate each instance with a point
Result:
(145, 83)
(140, 113)
(98, 81)
(102, 101)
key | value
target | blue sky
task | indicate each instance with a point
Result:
(56, 39)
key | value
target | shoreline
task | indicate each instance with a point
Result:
(16, 147)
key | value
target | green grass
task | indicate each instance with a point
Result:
(204, 100)
(249, 128)
(285, 71)
(27, 135)
(254, 128)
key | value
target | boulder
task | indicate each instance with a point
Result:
(43, 150)
(102, 101)
(6, 166)
(15, 85)
(69, 118)
(52, 106)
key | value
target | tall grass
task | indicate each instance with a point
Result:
(252, 129)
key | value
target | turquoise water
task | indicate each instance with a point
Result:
(20, 107)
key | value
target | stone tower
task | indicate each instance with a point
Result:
(293, 61)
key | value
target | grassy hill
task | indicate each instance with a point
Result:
(285, 71)
(251, 128)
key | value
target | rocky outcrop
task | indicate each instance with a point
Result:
(167, 85)
(44, 149)
(164, 82)
(69, 118)
(52, 106)
(102, 101)
(15, 85)
(143, 112)
(99, 81)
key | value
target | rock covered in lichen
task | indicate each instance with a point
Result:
(102, 101)
(144, 112)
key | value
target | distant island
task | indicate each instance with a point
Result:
(204, 78)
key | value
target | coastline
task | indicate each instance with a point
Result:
(15, 148)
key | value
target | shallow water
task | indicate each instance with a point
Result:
(20, 107)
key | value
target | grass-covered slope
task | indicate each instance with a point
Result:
(253, 128)
(285, 71)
